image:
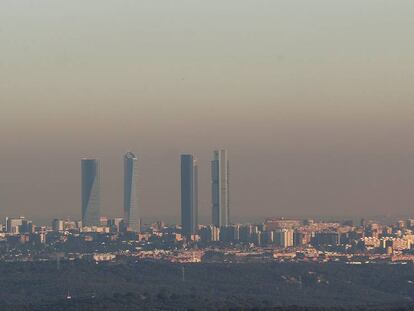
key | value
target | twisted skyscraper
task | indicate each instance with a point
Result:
(91, 192)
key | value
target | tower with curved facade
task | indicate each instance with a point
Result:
(91, 192)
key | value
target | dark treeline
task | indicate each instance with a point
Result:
(164, 286)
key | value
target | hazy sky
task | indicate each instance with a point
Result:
(314, 99)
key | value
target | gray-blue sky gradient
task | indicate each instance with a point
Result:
(313, 100)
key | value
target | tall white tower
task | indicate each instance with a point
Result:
(220, 189)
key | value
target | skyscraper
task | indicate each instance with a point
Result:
(189, 194)
(220, 189)
(131, 215)
(91, 184)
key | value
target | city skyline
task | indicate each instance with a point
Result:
(217, 155)
(91, 197)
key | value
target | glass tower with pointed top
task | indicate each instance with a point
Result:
(91, 192)
(189, 194)
(220, 189)
(131, 215)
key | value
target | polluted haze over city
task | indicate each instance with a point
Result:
(312, 99)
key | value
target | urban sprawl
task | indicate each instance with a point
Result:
(100, 239)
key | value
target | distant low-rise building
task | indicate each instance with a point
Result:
(272, 224)
(58, 225)
(104, 257)
(326, 238)
(19, 225)
(284, 238)
(210, 234)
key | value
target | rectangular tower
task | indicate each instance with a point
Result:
(131, 215)
(91, 192)
(189, 194)
(220, 189)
